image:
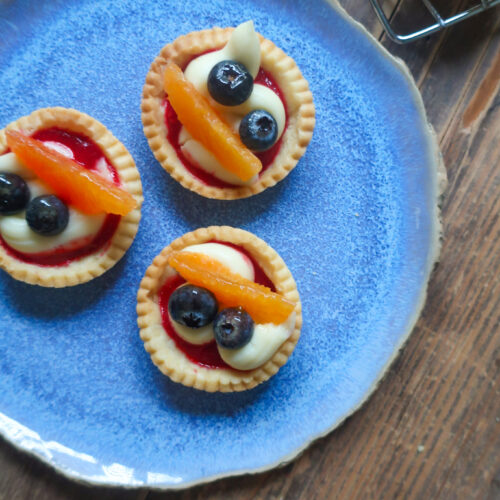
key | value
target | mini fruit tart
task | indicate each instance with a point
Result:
(218, 310)
(226, 112)
(70, 198)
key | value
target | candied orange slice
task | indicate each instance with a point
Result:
(77, 186)
(205, 125)
(263, 305)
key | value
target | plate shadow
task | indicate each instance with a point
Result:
(58, 303)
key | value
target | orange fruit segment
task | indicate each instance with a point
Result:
(77, 186)
(263, 305)
(204, 124)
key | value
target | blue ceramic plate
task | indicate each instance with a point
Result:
(356, 222)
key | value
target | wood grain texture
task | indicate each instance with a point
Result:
(432, 429)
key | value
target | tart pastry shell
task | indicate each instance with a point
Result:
(162, 349)
(91, 266)
(298, 101)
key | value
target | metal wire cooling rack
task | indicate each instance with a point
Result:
(440, 23)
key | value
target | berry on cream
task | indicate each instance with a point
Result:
(243, 47)
(264, 340)
(15, 230)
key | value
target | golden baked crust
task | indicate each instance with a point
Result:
(164, 353)
(91, 266)
(298, 97)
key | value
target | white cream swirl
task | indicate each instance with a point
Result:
(266, 338)
(265, 341)
(15, 230)
(244, 47)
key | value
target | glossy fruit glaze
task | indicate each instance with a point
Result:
(266, 157)
(205, 355)
(231, 289)
(87, 153)
(206, 126)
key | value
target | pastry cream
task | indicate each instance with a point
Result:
(244, 47)
(266, 338)
(15, 230)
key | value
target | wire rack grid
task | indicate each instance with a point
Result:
(440, 22)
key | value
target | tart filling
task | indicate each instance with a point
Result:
(266, 337)
(219, 310)
(85, 233)
(243, 46)
(252, 88)
(201, 163)
(70, 198)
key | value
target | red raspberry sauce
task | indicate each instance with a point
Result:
(266, 157)
(86, 153)
(205, 355)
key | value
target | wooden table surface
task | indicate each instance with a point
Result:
(432, 429)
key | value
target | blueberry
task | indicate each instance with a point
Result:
(14, 194)
(258, 130)
(233, 328)
(47, 215)
(229, 83)
(192, 306)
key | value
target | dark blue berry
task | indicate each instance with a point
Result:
(14, 194)
(229, 83)
(258, 130)
(233, 328)
(192, 306)
(47, 215)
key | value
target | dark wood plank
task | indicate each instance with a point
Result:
(471, 143)
(459, 58)
(455, 46)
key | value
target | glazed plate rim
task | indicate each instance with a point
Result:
(28, 441)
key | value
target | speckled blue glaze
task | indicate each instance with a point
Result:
(355, 222)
